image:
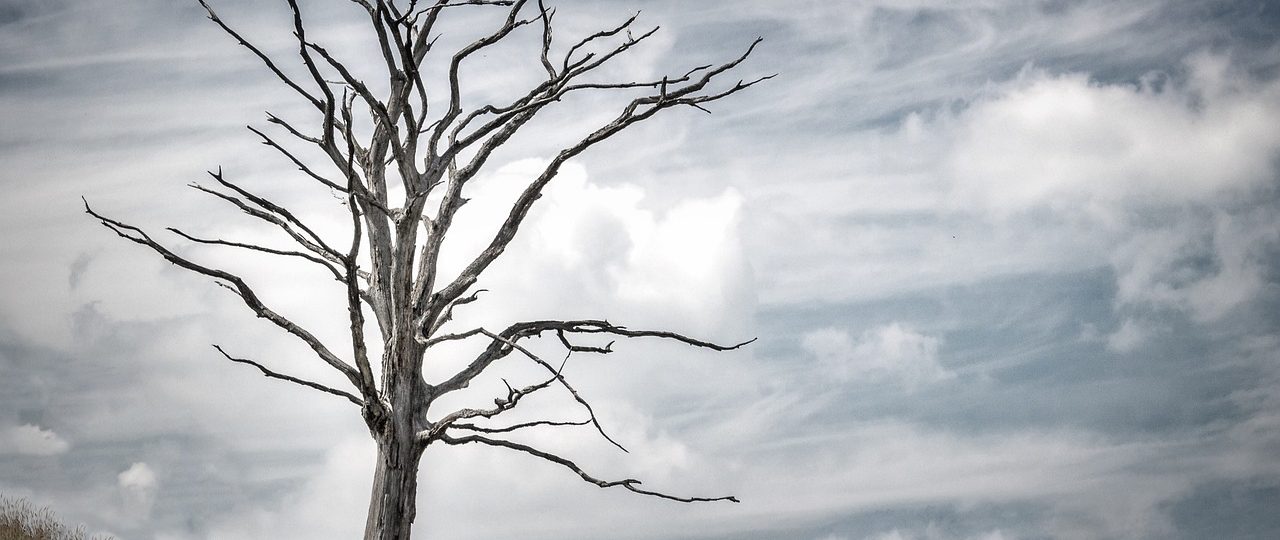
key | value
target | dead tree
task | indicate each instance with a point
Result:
(433, 145)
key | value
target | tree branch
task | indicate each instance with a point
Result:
(447, 314)
(232, 282)
(516, 427)
(638, 110)
(327, 107)
(630, 484)
(455, 86)
(292, 379)
(262, 56)
(563, 382)
(253, 247)
(315, 240)
(500, 348)
(301, 166)
(501, 405)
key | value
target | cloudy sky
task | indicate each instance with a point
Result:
(1014, 267)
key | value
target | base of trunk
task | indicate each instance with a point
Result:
(393, 502)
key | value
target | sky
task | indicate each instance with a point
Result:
(1013, 267)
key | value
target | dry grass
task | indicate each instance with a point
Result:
(20, 520)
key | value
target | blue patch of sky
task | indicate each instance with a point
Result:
(1029, 351)
(1239, 509)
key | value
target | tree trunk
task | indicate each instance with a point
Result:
(395, 486)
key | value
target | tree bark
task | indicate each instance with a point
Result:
(392, 503)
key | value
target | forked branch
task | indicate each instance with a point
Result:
(559, 377)
(501, 405)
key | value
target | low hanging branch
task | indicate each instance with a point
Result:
(274, 375)
(630, 483)
(422, 135)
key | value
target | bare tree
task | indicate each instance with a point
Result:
(433, 145)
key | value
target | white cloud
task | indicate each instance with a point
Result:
(590, 250)
(655, 455)
(1202, 265)
(31, 440)
(137, 486)
(891, 352)
(1047, 172)
(1153, 171)
(1158, 180)
(1092, 150)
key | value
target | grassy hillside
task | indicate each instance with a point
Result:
(20, 520)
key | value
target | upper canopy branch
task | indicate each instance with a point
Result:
(326, 102)
(554, 88)
(455, 85)
(638, 110)
(271, 65)
(337, 274)
(328, 105)
(273, 213)
(381, 111)
(419, 36)
(296, 161)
